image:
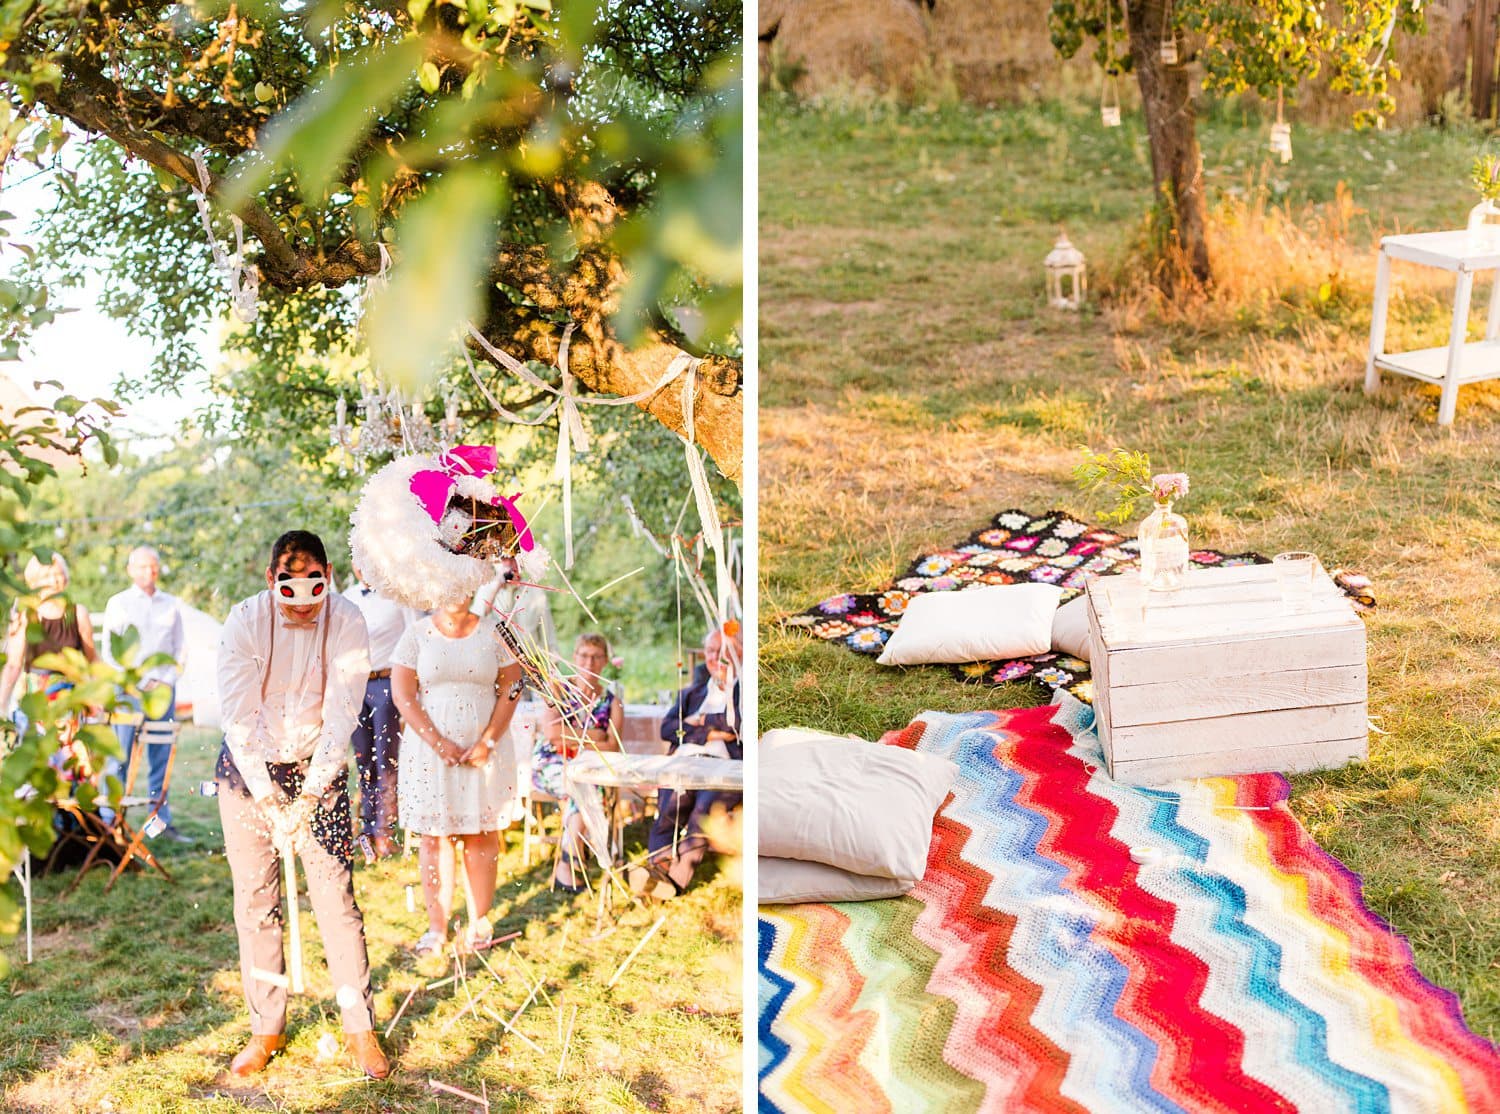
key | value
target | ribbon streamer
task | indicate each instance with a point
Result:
(243, 283)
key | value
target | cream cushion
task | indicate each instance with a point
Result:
(863, 807)
(1070, 629)
(977, 624)
(792, 881)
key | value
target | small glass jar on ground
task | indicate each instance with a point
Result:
(1164, 548)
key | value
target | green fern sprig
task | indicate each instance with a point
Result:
(1124, 475)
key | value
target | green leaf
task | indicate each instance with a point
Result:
(123, 644)
(444, 243)
(429, 77)
(316, 135)
(155, 702)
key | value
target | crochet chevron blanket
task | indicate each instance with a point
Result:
(1078, 945)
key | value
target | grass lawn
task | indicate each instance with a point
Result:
(133, 1002)
(914, 383)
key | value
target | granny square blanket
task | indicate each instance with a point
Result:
(1077, 945)
(1018, 546)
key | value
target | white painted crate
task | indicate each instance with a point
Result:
(1220, 678)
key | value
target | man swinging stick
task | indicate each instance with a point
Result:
(293, 664)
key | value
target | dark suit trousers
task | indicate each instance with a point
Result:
(677, 841)
(377, 743)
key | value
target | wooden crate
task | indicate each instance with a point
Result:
(1220, 678)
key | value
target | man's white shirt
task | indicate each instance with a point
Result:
(295, 722)
(384, 619)
(157, 618)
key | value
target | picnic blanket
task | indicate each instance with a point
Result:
(1077, 945)
(1018, 546)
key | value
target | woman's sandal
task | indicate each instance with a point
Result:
(429, 943)
(478, 937)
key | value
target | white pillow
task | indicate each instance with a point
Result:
(861, 806)
(793, 881)
(786, 736)
(1070, 629)
(977, 624)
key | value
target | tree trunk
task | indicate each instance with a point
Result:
(1171, 125)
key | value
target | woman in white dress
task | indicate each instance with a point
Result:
(454, 682)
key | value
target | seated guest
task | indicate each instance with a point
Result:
(584, 713)
(706, 714)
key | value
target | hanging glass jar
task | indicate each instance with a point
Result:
(1163, 536)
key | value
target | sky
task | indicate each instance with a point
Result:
(88, 352)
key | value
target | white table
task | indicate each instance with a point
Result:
(1457, 362)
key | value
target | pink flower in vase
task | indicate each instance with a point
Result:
(1169, 485)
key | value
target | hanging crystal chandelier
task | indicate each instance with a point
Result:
(390, 424)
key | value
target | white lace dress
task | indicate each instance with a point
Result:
(456, 687)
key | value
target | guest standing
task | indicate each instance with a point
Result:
(157, 618)
(65, 626)
(706, 714)
(456, 685)
(293, 663)
(586, 713)
(377, 735)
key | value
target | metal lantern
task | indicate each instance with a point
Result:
(1109, 102)
(1067, 282)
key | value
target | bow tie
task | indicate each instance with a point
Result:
(365, 591)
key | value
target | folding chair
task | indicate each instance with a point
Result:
(132, 841)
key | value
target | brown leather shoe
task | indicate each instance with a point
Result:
(366, 1052)
(257, 1054)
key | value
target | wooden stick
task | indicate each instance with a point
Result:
(473, 1001)
(289, 870)
(521, 1008)
(347, 1082)
(615, 581)
(515, 1032)
(442, 982)
(475, 1099)
(410, 994)
(621, 970)
(270, 977)
(562, 1061)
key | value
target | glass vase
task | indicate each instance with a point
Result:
(1164, 549)
(1484, 226)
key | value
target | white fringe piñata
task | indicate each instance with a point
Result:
(407, 556)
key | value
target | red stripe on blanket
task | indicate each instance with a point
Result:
(1201, 1057)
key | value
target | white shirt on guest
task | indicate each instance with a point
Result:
(386, 621)
(296, 721)
(157, 618)
(715, 699)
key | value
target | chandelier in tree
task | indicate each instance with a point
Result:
(389, 425)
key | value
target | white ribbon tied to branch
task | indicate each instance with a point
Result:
(242, 282)
(571, 431)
